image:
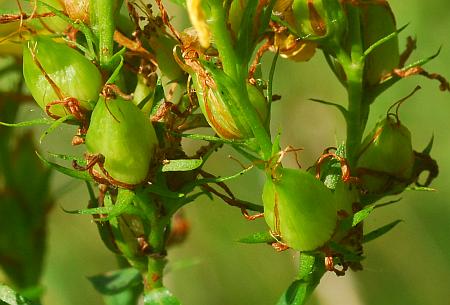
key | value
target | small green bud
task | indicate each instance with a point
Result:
(121, 132)
(72, 73)
(386, 157)
(299, 208)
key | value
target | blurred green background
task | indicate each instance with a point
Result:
(410, 265)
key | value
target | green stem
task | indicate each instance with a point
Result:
(231, 66)
(102, 19)
(311, 270)
(355, 86)
(223, 40)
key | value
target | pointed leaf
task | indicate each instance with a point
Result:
(160, 296)
(361, 215)
(41, 121)
(380, 231)
(181, 165)
(54, 125)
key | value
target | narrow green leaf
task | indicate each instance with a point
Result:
(41, 121)
(361, 215)
(54, 125)
(221, 179)
(11, 297)
(83, 175)
(123, 205)
(80, 161)
(338, 107)
(160, 296)
(429, 146)
(380, 231)
(181, 165)
(116, 281)
(206, 138)
(258, 238)
(420, 188)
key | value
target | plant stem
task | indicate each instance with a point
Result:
(311, 270)
(233, 68)
(355, 90)
(102, 19)
(157, 260)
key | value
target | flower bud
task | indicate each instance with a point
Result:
(212, 101)
(319, 18)
(77, 9)
(293, 48)
(299, 208)
(72, 73)
(121, 132)
(386, 158)
(377, 22)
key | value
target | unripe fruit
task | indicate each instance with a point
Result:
(386, 156)
(378, 21)
(300, 209)
(71, 72)
(120, 132)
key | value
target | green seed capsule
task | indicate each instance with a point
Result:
(71, 72)
(300, 209)
(378, 21)
(120, 132)
(386, 157)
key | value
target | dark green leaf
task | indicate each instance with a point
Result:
(380, 231)
(160, 296)
(361, 215)
(116, 281)
(181, 165)
(258, 238)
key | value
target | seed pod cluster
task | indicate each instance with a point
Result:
(299, 209)
(73, 75)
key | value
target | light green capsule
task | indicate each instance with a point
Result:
(300, 209)
(386, 156)
(377, 22)
(121, 132)
(73, 74)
